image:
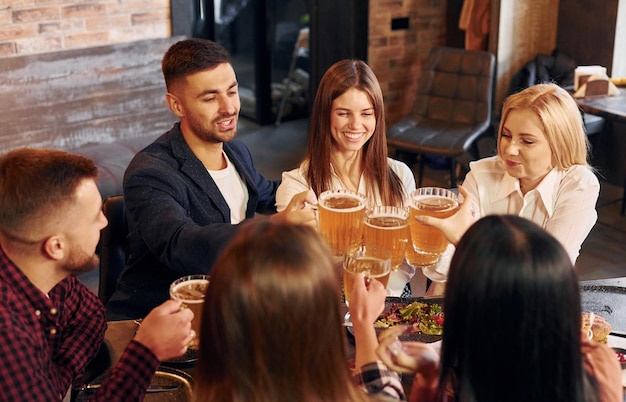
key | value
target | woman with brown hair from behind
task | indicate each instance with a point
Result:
(271, 325)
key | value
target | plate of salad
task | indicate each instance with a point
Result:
(426, 314)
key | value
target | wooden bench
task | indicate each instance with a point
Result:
(105, 102)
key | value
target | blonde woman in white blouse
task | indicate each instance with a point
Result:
(541, 171)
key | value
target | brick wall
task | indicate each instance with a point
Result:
(397, 56)
(40, 26)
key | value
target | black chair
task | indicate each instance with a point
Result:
(452, 108)
(113, 246)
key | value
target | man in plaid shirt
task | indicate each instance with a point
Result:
(51, 325)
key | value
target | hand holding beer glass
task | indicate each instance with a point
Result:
(388, 227)
(428, 241)
(341, 216)
(373, 260)
(191, 290)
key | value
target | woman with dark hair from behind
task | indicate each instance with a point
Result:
(512, 329)
(271, 325)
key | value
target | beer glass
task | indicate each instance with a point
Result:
(388, 227)
(341, 215)
(429, 242)
(373, 260)
(191, 290)
(418, 260)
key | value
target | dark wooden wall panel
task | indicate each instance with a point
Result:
(586, 31)
(69, 98)
(339, 30)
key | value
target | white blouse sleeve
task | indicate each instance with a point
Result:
(438, 272)
(406, 177)
(292, 183)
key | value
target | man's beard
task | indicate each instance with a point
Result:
(80, 262)
(209, 134)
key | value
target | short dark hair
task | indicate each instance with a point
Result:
(513, 316)
(35, 182)
(190, 56)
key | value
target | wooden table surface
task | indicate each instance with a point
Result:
(611, 107)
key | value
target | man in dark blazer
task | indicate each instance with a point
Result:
(187, 192)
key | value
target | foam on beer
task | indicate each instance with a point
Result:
(343, 202)
(192, 291)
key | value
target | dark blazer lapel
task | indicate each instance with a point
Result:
(195, 170)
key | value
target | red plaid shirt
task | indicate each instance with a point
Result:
(46, 342)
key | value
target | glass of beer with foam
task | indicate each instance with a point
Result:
(388, 226)
(341, 215)
(191, 290)
(428, 241)
(372, 259)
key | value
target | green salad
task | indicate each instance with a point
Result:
(428, 317)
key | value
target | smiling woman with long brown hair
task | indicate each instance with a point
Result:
(347, 143)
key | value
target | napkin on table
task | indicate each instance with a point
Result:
(597, 84)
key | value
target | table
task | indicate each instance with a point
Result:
(619, 282)
(613, 341)
(117, 337)
(612, 108)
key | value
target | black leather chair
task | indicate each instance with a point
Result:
(113, 246)
(452, 108)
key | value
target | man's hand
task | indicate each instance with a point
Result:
(456, 225)
(166, 330)
(299, 210)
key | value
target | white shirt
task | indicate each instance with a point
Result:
(295, 181)
(564, 203)
(233, 190)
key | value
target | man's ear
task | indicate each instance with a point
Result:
(174, 104)
(55, 247)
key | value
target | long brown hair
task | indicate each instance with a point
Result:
(271, 321)
(340, 77)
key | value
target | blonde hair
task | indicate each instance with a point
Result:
(560, 118)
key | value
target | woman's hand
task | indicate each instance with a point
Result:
(299, 210)
(408, 357)
(367, 300)
(455, 226)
